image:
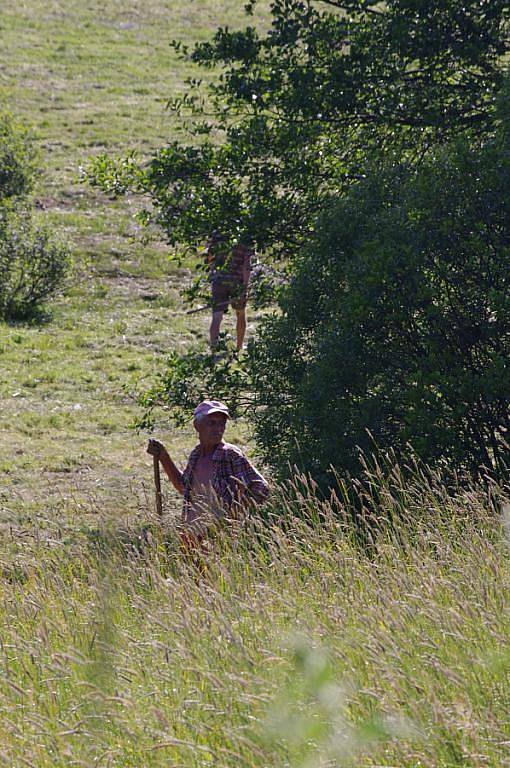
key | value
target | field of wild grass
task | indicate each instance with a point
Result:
(302, 641)
(293, 643)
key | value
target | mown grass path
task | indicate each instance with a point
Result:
(90, 77)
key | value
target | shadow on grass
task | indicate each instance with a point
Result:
(33, 318)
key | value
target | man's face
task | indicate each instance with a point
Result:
(211, 428)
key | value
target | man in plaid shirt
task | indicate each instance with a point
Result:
(218, 480)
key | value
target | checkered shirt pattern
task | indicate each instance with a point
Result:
(230, 267)
(232, 470)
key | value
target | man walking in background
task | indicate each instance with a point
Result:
(230, 274)
(219, 481)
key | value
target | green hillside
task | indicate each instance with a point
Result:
(89, 77)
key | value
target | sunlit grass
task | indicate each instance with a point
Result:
(297, 646)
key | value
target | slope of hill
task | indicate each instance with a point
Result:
(91, 77)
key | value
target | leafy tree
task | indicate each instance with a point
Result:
(352, 139)
(396, 326)
(296, 113)
(394, 329)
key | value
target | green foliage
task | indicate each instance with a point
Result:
(32, 266)
(17, 159)
(190, 378)
(394, 329)
(297, 112)
(393, 323)
(32, 262)
(396, 326)
(117, 175)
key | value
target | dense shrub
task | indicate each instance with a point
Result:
(17, 159)
(32, 262)
(32, 266)
(396, 326)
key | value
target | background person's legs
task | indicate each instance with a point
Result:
(220, 298)
(214, 330)
(240, 327)
(223, 294)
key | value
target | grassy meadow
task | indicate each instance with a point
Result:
(296, 646)
(292, 646)
(88, 78)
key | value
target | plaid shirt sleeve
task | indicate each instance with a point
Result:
(246, 475)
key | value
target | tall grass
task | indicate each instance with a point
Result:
(301, 643)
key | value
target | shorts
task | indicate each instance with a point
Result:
(228, 292)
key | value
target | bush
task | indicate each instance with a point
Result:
(32, 266)
(32, 262)
(396, 327)
(17, 159)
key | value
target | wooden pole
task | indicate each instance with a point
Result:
(157, 483)
(198, 309)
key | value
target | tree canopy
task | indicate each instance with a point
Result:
(395, 329)
(296, 112)
(366, 144)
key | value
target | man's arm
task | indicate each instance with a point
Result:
(251, 484)
(209, 254)
(155, 448)
(247, 266)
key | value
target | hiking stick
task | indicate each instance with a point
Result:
(157, 483)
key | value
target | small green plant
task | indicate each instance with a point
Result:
(17, 159)
(32, 262)
(32, 266)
